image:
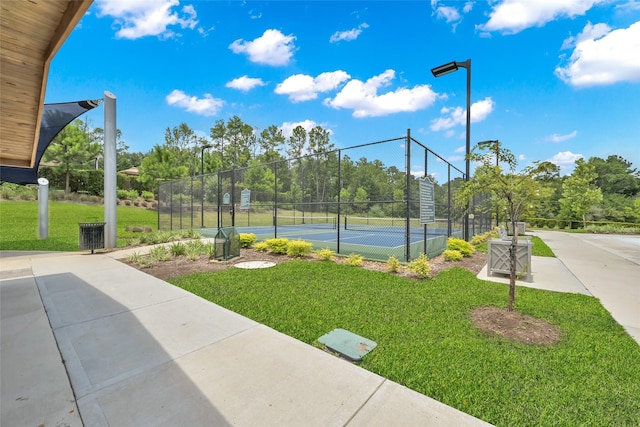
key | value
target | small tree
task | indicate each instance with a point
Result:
(579, 194)
(514, 189)
(72, 149)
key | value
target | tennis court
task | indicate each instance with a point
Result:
(370, 236)
(346, 199)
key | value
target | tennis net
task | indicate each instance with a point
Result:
(330, 222)
(391, 225)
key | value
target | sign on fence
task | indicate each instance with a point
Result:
(245, 195)
(427, 201)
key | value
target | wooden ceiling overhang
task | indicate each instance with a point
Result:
(31, 32)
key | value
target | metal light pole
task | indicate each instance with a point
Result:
(441, 71)
(205, 146)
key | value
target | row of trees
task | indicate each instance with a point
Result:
(598, 189)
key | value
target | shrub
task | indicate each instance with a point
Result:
(190, 234)
(299, 248)
(178, 249)
(148, 196)
(247, 239)
(278, 246)
(127, 194)
(160, 253)
(148, 262)
(261, 246)
(420, 266)
(194, 251)
(465, 248)
(14, 191)
(133, 242)
(325, 254)
(479, 239)
(135, 258)
(393, 265)
(354, 260)
(195, 245)
(210, 250)
(452, 255)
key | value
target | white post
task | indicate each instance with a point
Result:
(43, 208)
(110, 182)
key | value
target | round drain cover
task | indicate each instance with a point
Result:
(255, 264)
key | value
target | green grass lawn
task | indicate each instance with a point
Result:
(19, 224)
(426, 339)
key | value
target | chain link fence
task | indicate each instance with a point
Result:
(347, 200)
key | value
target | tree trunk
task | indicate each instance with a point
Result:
(513, 256)
(66, 182)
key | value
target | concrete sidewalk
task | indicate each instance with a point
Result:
(605, 266)
(139, 351)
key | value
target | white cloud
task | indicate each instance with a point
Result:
(630, 6)
(245, 83)
(561, 138)
(140, 18)
(302, 87)
(288, 127)
(207, 106)
(458, 116)
(448, 13)
(513, 16)
(348, 35)
(566, 161)
(522, 157)
(365, 101)
(272, 48)
(602, 56)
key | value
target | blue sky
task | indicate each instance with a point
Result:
(552, 80)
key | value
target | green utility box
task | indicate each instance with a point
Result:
(227, 243)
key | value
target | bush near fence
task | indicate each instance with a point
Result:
(593, 226)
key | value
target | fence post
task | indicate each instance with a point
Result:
(449, 200)
(407, 242)
(339, 200)
(233, 196)
(218, 201)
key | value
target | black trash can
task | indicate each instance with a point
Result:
(91, 235)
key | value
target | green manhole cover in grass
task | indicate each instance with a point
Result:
(352, 346)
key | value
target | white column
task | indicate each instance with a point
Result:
(110, 181)
(43, 208)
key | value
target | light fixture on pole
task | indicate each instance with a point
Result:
(204, 147)
(441, 71)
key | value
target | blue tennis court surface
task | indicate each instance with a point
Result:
(388, 237)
